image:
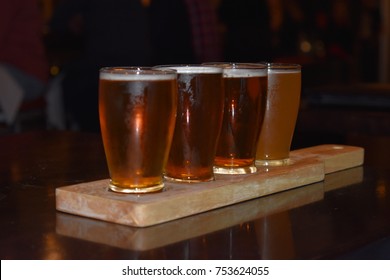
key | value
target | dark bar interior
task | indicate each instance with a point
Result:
(53, 138)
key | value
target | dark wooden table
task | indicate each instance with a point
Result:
(347, 216)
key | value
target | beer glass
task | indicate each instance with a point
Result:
(137, 109)
(245, 88)
(284, 90)
(198, 123)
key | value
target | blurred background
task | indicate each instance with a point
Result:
(347, 40)
(342, 45)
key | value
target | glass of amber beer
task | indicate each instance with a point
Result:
(245, 88)
(283, 98)
(198, 123)
(137, 110)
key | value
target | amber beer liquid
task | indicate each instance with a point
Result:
(245, 95)
(284, 89)
(198, 123)
(137, 117)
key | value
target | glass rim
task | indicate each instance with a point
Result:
(135, 73)
(283, 66)
(241, 69)
(237, 65)
(191, 68)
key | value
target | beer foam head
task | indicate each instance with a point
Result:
(192, 69)
(240, 69)
(244, 73)
(284, 71)
(136, 74)
(283, 68)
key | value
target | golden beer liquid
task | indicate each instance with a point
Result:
(198, 123)
(284, 89)
(243, 115)
(137, 120)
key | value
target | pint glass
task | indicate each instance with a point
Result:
(198, 123)
(245, 88)
(137, 109)
(284, 90)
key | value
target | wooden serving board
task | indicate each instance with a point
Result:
(148, 238)
(178, 200)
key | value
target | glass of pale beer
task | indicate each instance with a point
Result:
(283, 99)
(137, 110)
(198, 123)
(245, 88)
